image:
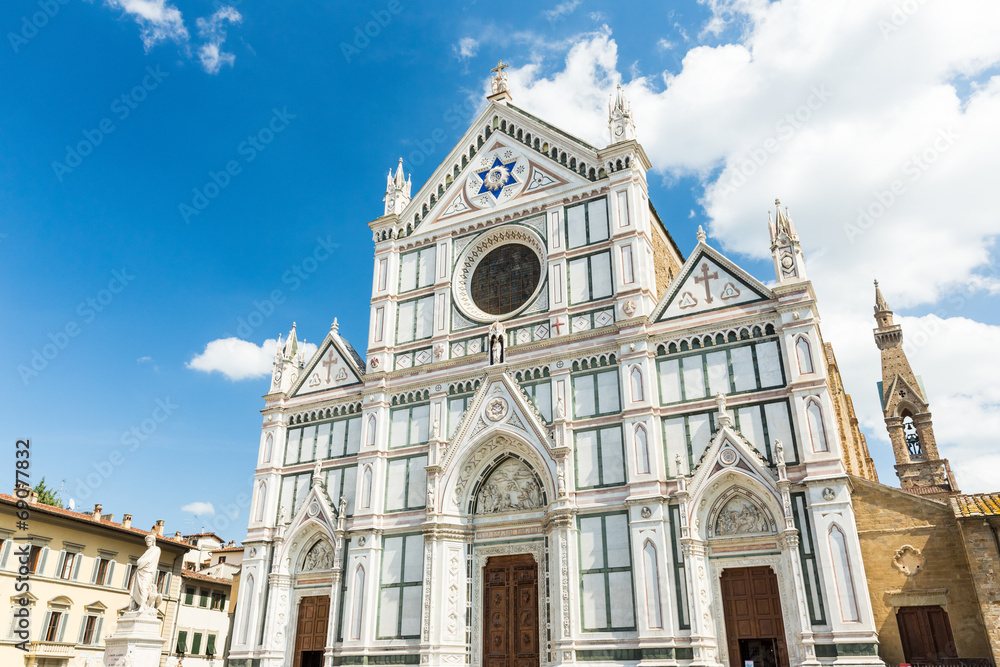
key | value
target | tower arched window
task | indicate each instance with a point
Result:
(803, 353)
(366, 488)
(817, 430)
(268, 446)
(261, 500)
(641, 450)
(635, 377)
(911, 437)
(370, 440)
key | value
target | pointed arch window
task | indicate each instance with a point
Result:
(268, 447)
(359, 602)
(366, 488)
(641, 450)
(803, 352)
(844, 576)
(654, 613)
(261, 500)
(911, 437)
(817, 430)
(247, 607)
(635, 382)
(370, 439)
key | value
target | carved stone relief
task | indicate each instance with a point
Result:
(319, 557)
(510, 488)
(739, 516)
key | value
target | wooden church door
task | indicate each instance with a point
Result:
(510, 612)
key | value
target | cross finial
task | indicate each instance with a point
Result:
(701, 234)
(499, 82)
(335, 326)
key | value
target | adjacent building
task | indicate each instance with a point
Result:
(567, 441)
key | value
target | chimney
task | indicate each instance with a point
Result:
(158, 528)
(126, 521)
(232, 543)
(110, 518)
(177, 535)
(96, 516)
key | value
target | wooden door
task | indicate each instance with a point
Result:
(310, 631)
(925, 633)
(510, 612)
(752, 608)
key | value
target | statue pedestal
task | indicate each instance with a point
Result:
(136, 641)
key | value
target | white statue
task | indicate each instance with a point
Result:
(144, 595)
(779, 453)
(435, 430)
(317, 473)
(560, 409)
(720, 402)
(677, 464)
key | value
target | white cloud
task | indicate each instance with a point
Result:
(844, 110)
(467, 47)
(238, 359)
(213, 30)
(560, 10)
(199, 508)
(159, 21)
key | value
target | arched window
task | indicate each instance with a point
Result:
(247, 607)
(370, 440)
(803, 353)
(261, 500)
(652, 577)
(817, 431)
(911, 437)
(641, 450)
(635, 380)
(366, 488)
(359, 602)
(268, 446)
(842, 573)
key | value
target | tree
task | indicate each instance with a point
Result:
(47, 496)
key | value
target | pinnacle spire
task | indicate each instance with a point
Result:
(880, 302)
(701, 234)
(620, 121)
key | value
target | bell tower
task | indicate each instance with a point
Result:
(907, 414)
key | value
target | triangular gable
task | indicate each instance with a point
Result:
(335, 364)
(455, 186)
(915, 395)
(730, 451)
(498, 405)
(316, 507)
(708, 281)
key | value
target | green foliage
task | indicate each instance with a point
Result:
(47, 496)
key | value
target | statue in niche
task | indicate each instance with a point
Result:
(740, 517)
(496, 343)
(319, 558)
(511, 488)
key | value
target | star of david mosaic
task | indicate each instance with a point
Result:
(498, 176)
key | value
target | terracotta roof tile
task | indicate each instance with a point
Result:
(87, 518)
(188, 574)
(227, 550)
(976, 504)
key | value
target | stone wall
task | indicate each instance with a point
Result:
(984, 558)
(889, 519)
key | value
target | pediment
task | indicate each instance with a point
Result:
(538, 157)
(708, 281)
(913, 396)
(729, 452)
(335, 364)
(317, 507)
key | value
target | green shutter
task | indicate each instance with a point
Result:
(210, 646)
(189, 595)
(196, 644)
(203, 601)
(182, 641)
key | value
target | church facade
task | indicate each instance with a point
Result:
(567, 443)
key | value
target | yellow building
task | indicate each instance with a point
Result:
(79, 575)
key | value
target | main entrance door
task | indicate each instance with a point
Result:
(310, 631)
(752, 607)
(510, 612)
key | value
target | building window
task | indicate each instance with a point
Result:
(505, 279)
(409, 425)
(590, 278)
(69, 559)
(415, 320)
(817, 431)
(416, 269)
(366, 488)
(129, 575)
(843, 575)
(203, 598)
(600, 458)
(327, 440)
(383, 273)
(587, 223)
(911, 437)
(341, 483)
(804, 355)
(743, 368)
(261, 502)
(680, 575)
(635, 383)
(457, 405)
(359, 602)
(651, 576)
(189, 595)
(51, 631)
(210, 646)
(268, 446)
(406, 483)
(182, 637)
(90, 633)
(641, 450)
(807, 555)
(218, 600)
(596, 394)
(196, 644)
(102, 570)
(401, 590)
(33, 559)
(370, 441)
(379, 323)
(606, 573)
(540, 394)
(628, 271)
(162, 582)
(222, 559)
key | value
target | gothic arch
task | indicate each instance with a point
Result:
(818, 435)
(803, 354)
(739, 511)
(317, 555)
(847, 593)
(261, 500)
(518, 487)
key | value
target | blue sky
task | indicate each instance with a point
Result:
(308, 117)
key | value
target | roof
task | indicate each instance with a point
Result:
(198, 576)
(205, 535)
(89, 519)
(224, 550)
(976, 504)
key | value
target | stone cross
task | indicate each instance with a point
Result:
(705, 277)
(328, 364)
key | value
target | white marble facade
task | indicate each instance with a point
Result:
(625, 437)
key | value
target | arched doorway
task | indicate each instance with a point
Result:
(755, 631)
